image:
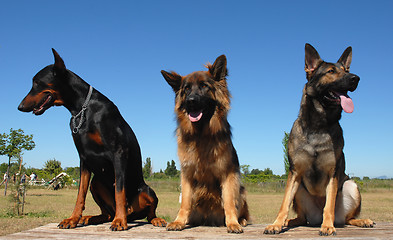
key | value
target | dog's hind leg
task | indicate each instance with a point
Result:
(244, 215)
(151, 215)
(104, 200)
(305, 208)
(144, 206)
(291, 188)
(348, 206)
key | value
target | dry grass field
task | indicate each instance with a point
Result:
(48, 206)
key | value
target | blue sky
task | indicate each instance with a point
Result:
(119, 47)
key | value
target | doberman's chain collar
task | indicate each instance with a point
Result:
(81, 114)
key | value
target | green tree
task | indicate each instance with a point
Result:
(12, 145)
(285, 150)
(245, 169)
(52, 168)
(74, 172)
(147, 169)
(3, 167)
(268, 172)
(256, 171)
(171, 170)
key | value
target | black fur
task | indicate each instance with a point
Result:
(106, 144)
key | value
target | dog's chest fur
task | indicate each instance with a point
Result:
(314, 155)
(206, 161)
(315, 146)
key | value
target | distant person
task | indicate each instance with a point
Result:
(33, 178)
(23, 178)
(4, 178)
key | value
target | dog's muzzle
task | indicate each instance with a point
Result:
(194, 107)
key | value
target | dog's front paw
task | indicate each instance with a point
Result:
(118, 225)
(175, 226)
(234, 228)
(273, 229)
(327, 231)
(158, 222)
(68, 223)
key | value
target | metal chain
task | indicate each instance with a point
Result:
(75, 129)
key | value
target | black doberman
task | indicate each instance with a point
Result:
(107, 147)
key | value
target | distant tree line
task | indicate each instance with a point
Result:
(14, 143)
(170, 171)
(52, 167)
(256, 175)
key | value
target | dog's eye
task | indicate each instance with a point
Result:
(331, 71)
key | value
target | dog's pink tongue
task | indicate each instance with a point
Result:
(195, 116)
(346, 103)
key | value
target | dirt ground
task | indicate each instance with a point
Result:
(48, 206)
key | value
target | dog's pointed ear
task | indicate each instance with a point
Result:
(173, 79)
(59, 65)
(346, 58)
(312, 59)
(219, 68)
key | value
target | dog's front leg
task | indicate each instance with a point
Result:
(290, 191)
(230, 197)
(119, 222)
(327, 227)
(80, 200)
(185, 207)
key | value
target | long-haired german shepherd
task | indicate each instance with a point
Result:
(317, 185)
(210, 176)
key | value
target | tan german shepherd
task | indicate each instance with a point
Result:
(317, 185)
(210, 176)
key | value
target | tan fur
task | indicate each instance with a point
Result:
(80, 201)
(210, 177)
(317, 185)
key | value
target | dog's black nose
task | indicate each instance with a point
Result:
(352, 82)
(354, 79)
(193, 102)
(21, 107)
(25, 106)
(193, 99)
